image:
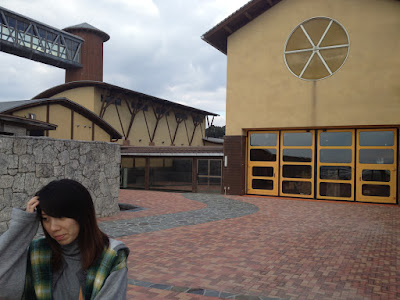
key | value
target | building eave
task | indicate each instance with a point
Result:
(114, 134)
(218, 35)
(118, 90)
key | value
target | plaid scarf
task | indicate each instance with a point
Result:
(39, 274)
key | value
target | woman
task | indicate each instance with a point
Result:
(75, 260)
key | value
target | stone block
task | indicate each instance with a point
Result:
(6, 181)
(19, 146)
(63, 158)
(44, 170)
(6, 145)
(26, 163)
(19, 183)
(49, 154)
(30, 187)
(3, 227)
(5, 214)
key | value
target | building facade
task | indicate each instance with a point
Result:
(313, 99)
(86, 108)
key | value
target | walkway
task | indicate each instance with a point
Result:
(264, 248)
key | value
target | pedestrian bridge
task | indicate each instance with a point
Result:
(24, 37)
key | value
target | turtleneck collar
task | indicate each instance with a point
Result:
(71, 249)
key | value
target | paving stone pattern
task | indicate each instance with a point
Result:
(218, 208)
(287, 249)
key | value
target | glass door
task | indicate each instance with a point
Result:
(335, 167)
(263, 164)
(376, 165)
(297, 163)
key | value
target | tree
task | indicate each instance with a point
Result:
(215, 131)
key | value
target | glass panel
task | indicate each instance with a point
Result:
(156, 162)
(215, 167)
(132, 171)
(215, 181)
(316, 69)
(376, 156)
(298, 41)
(127, 162)
(171, 174)
(296, 187)
(335, 155)
(202, 166)
(263, 139)
(261, 184)
(334, 57)
(209, 185)
(293, 171)
(202, 180)
(335, 189)
(297, 61)
(263, 154)
(297, 139)
(376, 138)
(335, 173)
(336, 138)
(299, 155)
(376, 190)
(11, 22)
(22, 26)
(376, 175)
(263, 171)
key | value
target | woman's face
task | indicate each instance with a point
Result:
(63, 230)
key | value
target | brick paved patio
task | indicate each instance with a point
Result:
(289, 249)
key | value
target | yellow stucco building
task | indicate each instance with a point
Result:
(142, 120)
(313, 98)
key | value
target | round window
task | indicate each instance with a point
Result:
(316, 48)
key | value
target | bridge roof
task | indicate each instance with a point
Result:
(87, 27)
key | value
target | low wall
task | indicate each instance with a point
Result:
(29, 163)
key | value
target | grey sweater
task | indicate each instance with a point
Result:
(66, 282)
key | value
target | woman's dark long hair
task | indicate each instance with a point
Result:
(68, 198)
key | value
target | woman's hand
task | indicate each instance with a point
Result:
(30, 207)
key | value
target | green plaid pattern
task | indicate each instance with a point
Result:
(38, 275)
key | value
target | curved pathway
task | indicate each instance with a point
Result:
(218, 208)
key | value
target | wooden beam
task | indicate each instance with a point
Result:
(169, 129)
(72, 124)
(147, 124)
(120, 120)
(228, 29)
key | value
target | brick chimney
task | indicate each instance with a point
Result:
(91, 53)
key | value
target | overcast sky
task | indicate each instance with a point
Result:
(155, 48)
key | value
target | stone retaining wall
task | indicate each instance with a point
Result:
(28, 163)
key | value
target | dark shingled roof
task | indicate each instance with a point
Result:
(218, 35)
(87, 27)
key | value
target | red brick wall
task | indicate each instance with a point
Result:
(234, 174)
(91, 59)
